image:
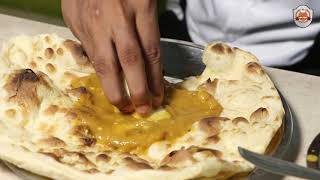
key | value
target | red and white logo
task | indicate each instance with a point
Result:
(302, 16)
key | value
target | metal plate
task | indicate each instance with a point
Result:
(313, 153)
(182, 59)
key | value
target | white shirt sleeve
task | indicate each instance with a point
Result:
(263, 27)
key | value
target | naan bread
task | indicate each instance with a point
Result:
(37, 131)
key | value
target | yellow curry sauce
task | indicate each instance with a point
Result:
(134, 133)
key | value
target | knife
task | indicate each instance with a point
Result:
(278, 166)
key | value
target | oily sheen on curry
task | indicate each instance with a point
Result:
(133, 133)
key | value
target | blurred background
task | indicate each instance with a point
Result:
(49, 11)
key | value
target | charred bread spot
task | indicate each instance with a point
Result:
(51, 110)
(71, 114)
(135, 165)
(176, 157)
(22, 88)
(88, 141)
(52, 142)
(259, 114)
(81, 131)
(238, 120)
(78, 92)
(92, 171)
(84, 160)
(214, 139)
(77, 52)
(207, 151)
(50, 68)
(103, 158)
(56, 153)
(48, 53)
(220, 48)
(27, 75)
(254, 68)
(10, 113)
(110, 172)
(85, 135)
(33, 64)
(166, 168)
(211, 126)
(52, 155)
(209, 86)
(60, 51)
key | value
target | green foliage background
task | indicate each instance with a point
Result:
(43, 10)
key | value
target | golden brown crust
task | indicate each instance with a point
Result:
(33, 64)
(52, 142)
(78, 92)
(103, 158)
(214, 139)
(10, 113)
(85, 135)
(176, 157)
(77, 52)
(259, 114)
(51, 110)
(221, 49)
(209, 86)
(238, 120)
(255, 68)
(60, 51)
(210, 125)
(50, 68)
(22, 88)
(135, 165)
(49, 53)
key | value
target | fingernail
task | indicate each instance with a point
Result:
(128, 109)
(143, 110)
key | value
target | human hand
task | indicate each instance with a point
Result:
(121, 35)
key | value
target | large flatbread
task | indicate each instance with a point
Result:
(37, 132)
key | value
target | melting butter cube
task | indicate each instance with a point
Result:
(159, 115)
(154, 116)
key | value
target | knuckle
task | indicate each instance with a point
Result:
(129, 56)
(101, 66)
(152, 55)
(148, 5)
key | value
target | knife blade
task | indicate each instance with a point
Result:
(278, 166)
